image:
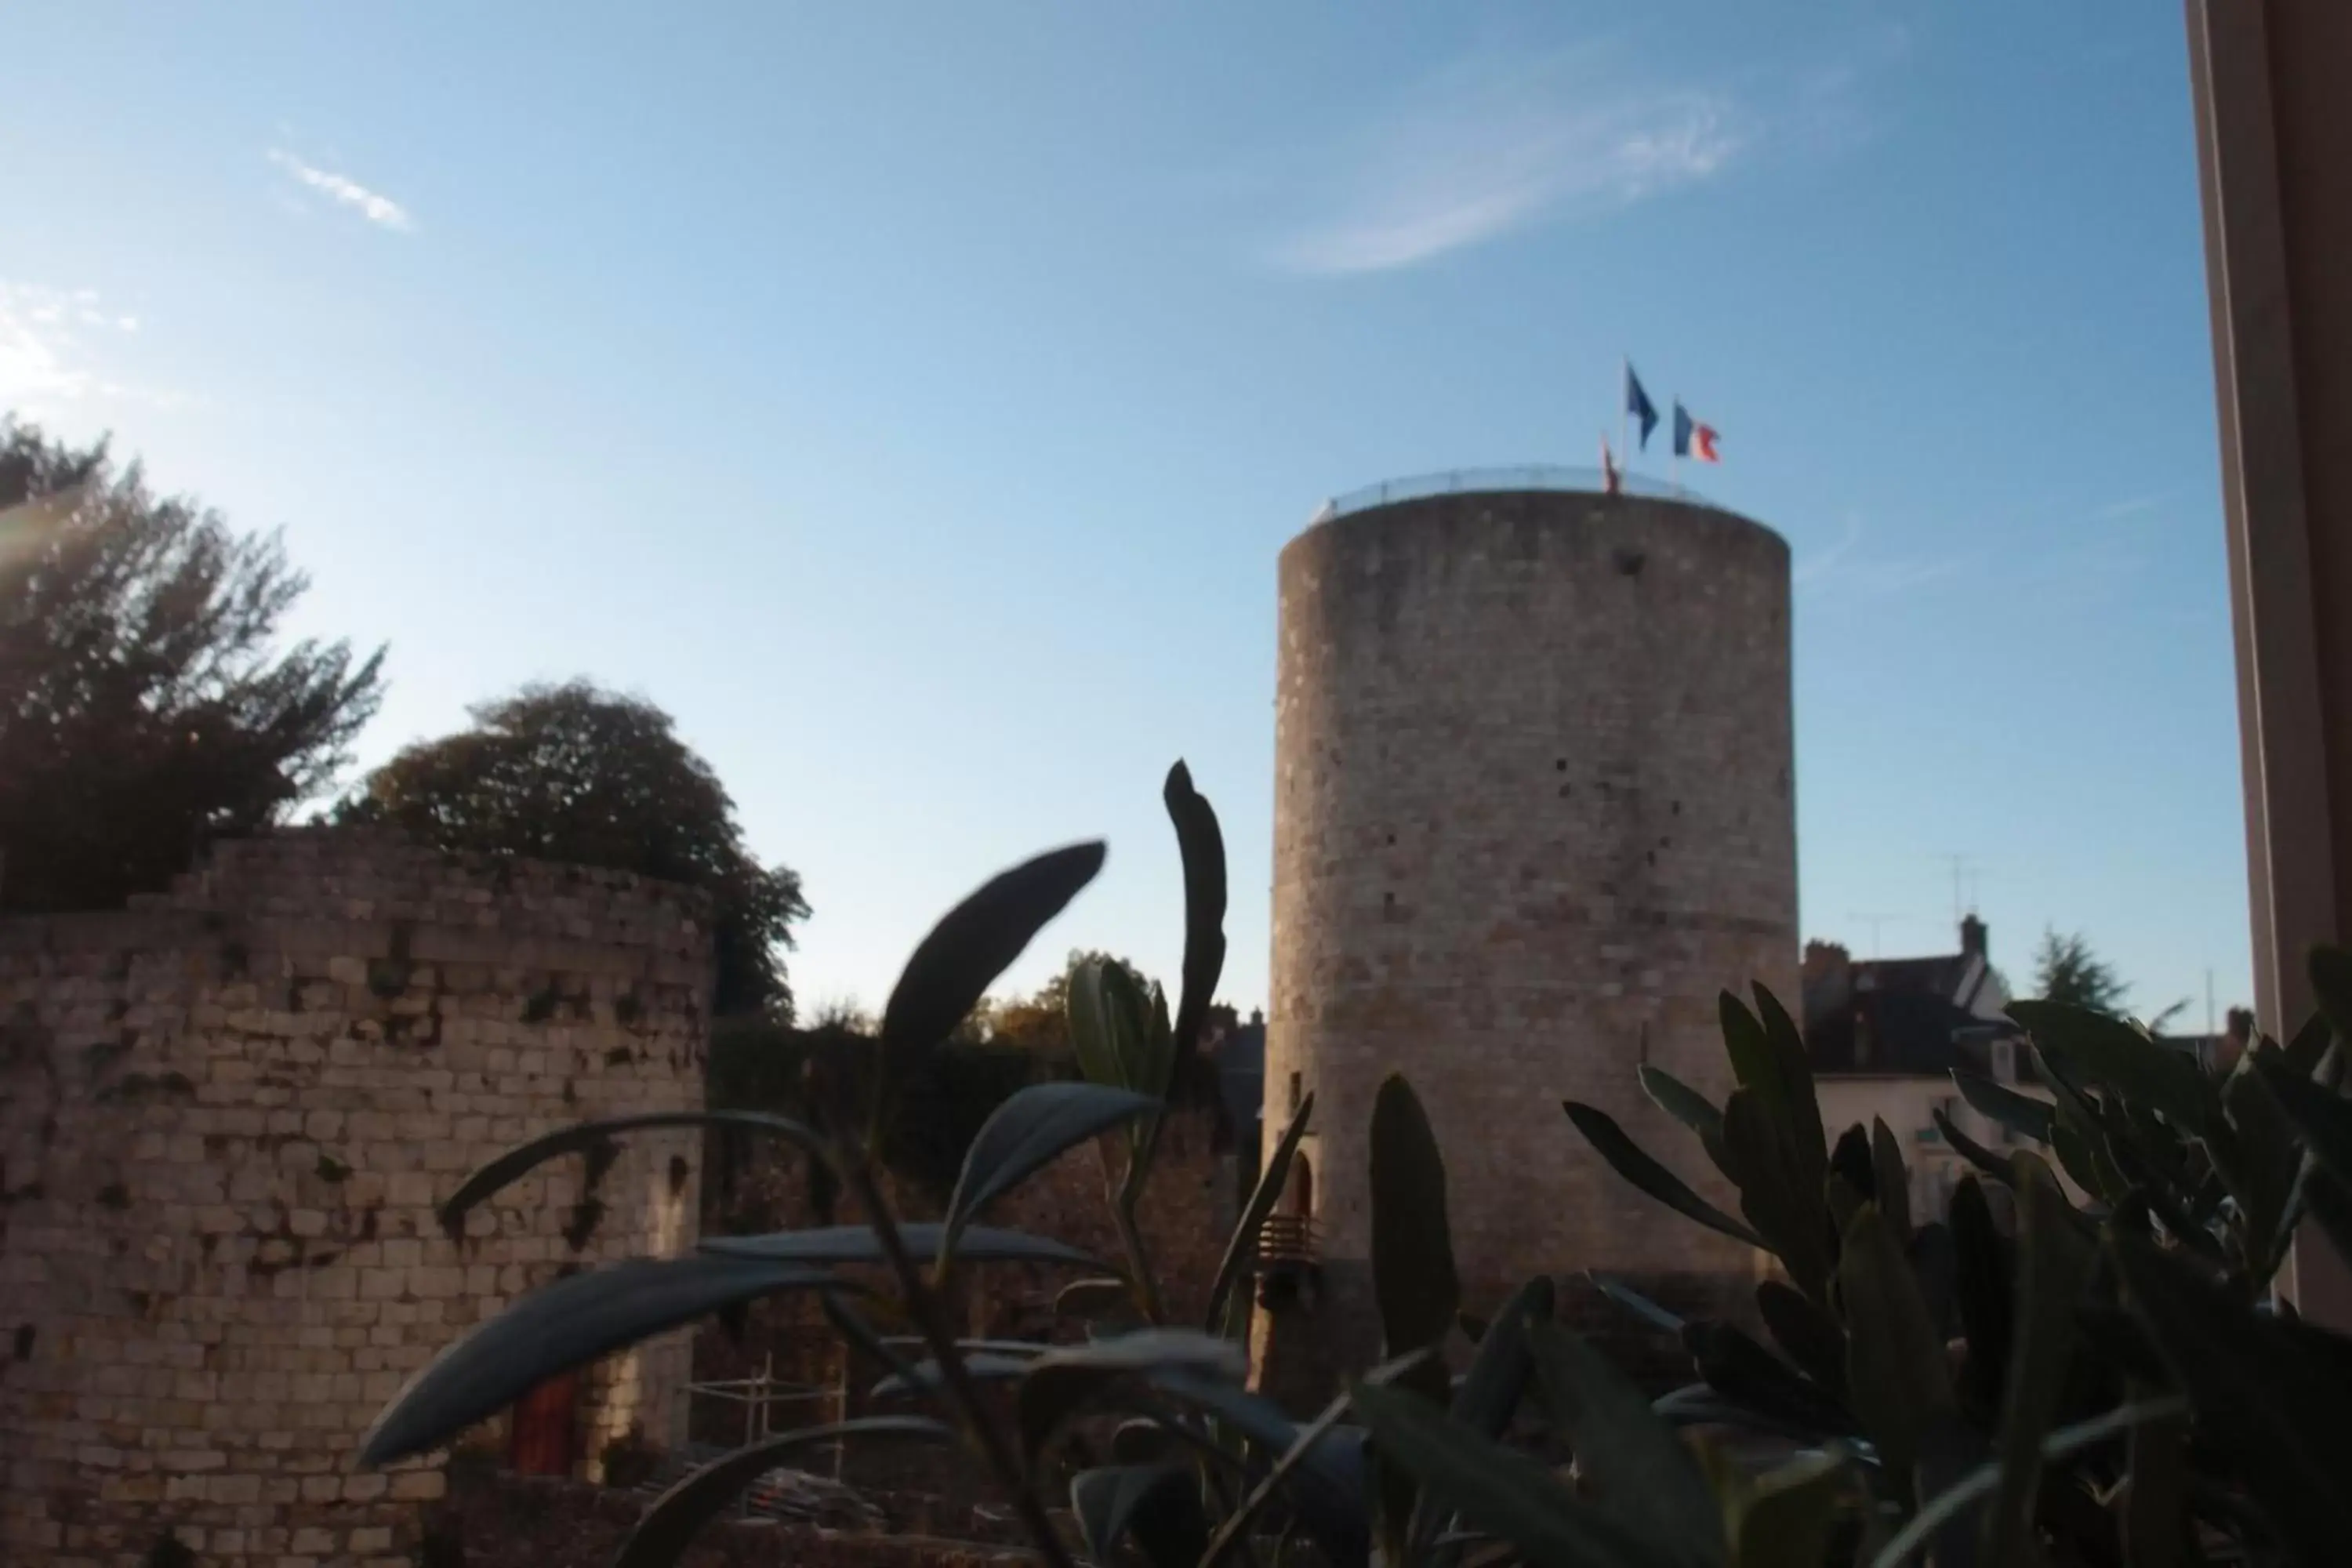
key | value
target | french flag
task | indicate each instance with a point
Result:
(1693, 439)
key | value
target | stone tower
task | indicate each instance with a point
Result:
(1533, 811)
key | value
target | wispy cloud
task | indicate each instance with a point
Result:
(373, 205)
(1494, 143)
(1839, 569)
(2115, 512)
(57, 346)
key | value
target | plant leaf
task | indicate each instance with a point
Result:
(1641, 1306)
(1890, 1181)
(2323, 1117)
(2021, 1114)
(2062, 1444)
(565, 1325)
(1331, 1497)
(1645, 1474)
(1685, 1105)
(680, 1514)
(1807, 1332)
(1300, 1458)
(1982, 1292)
(1490, 1390)
(582, 1137)
(976, 941)
(1745, 1372)
(1895, 1373)
(1242, 1244)
(858, 1243)
(2053, 1268)
(1792, 1218)
(1500, 1490)
(1057, 1383)
(1796, 1067)
(1158, 1502)
(1412, 1250)
(1028, 1133)
(1628, 1160)
(981, 1366)
(2113, 1054)
(2330, 969)
(1202, 845)
(2264, 1394)
(1975, 1153)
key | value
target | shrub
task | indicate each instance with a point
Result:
(2100, 1384)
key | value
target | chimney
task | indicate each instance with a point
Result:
(1972, 937)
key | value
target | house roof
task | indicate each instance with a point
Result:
(1901, 1018)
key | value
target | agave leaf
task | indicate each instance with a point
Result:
(1242, 1244)
(583, 1137)
(1793, 1218)
(1158, 1503)
(1490, 1390)
(2115, 1054)
(1412, 1249)
(2053, 1268)
(1056, 1384)
(2064, 1443)
(977, 941)
(1745, 1372)
(1202, 845)
(1807, 1332)
(1982, 1292)
(1896, 1377)
(680, 1514)
(858, 1243)
(565, 1325)
(1628, 1160)
(1330, 1494)
(1797, 1085)
(1028, 1133)
(1696, 1404)
(1643, 1472)
(2330, 969)
(1975, 1153)
(1301, 1458)
(1890, 1181)
(1641, 1306)
(2323, 1117)
(2258, 1155)
(1105, 1028)
(2156, 1528)
(1685, 1105)
(1500, 1490)
(981, 1366)
(2021, 1114)
(2264, 1393)
(1934, 1266)
(1786, 1521)
(852, 1326)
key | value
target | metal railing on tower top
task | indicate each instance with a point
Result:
(1528, 477)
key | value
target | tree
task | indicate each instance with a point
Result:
(573, 773)
(2066, 970)
(1039, 1022)
(144, 704)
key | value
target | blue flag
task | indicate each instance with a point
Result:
(1638, 405)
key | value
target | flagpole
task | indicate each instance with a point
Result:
(1624, 404)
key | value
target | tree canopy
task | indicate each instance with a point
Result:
(574, 772)
(1040, 1022)
(2066, 970)
(144, 704)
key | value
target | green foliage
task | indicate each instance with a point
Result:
(590, 777)
(2096, 1384)
(146, 704)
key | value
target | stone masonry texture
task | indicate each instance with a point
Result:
(227, 1115)
(1533, 812)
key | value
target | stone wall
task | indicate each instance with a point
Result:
(226, 1117)
(1533, 810)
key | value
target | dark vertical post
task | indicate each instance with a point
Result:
(2274, 141)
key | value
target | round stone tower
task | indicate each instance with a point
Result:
(1533, 812)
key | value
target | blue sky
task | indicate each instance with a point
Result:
(913, 398)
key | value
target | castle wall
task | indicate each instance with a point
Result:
(227, 1116)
